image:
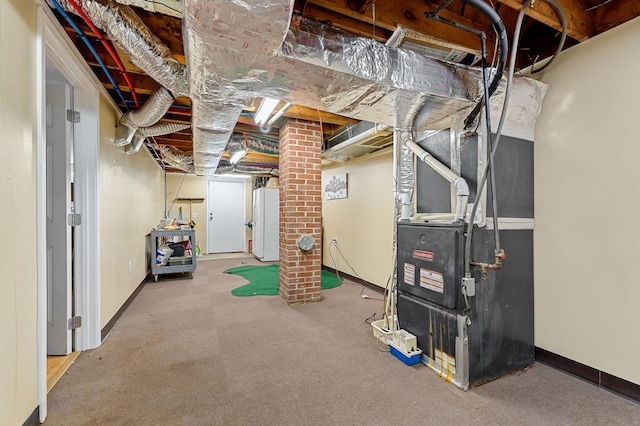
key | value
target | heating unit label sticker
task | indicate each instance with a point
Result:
(432, 280)
(410, 274)
(423, 255)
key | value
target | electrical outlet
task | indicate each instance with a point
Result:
(335, 240)
(130, 267)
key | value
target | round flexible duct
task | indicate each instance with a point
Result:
(151, 112)
(161, 129)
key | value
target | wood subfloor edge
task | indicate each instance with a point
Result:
(57, 366)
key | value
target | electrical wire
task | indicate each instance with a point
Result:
(335, 264)
(178, 192)
(347, 262)
(370, 319)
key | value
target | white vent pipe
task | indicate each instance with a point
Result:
(457, 181)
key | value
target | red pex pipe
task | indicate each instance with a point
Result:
(107, 45)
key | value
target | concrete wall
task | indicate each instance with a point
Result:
(363, 222)
(131, 205)
(587, 183)
(18, 290)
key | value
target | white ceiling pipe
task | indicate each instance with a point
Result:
(279, 114)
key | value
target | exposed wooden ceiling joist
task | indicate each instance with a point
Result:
(346, 23)
(410, 14)
(612, 14)
(579, 22)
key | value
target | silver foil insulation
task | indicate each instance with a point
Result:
(161, 129)
(363, 79)
(151, 112)
(235, 53)
(228, 44)
(177, 159)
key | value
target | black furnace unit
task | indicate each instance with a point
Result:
(470, 341)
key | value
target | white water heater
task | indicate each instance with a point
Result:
(266, 224)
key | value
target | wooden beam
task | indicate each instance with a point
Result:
(615, 13)
(167, 28)
(129, 66)
(410, 14)
(579, 22)
(176, 137)
(181, 101)
(172, 118)
(345, 23)
(304, 113)
(141, 82)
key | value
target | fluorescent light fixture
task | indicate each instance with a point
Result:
(264, 110)
(237, 156)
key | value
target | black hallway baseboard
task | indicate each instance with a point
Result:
(599, 378)
(33, 419)
(107, 328)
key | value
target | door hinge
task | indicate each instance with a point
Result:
(73, 116)
(75, 322)
(75, 219)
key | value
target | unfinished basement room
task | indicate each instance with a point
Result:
(319, 212)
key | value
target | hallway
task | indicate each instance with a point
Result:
(187, 352)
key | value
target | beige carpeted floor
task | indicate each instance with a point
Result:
(221, 256)
(187, 352)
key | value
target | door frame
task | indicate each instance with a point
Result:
(53, 44)
(229, 178)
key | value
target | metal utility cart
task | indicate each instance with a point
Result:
(180, 264)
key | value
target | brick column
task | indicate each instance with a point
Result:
(300, 210)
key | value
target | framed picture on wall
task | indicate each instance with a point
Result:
(335, 187)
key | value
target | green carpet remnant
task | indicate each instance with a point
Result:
(263, 280)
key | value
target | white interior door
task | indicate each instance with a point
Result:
(59, 139)
(226, 216)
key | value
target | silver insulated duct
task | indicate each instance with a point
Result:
(235, 53)
(227, 44)
(361, 78)
(238, 50)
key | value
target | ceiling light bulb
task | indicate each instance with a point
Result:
(264, 110)
(237, 156)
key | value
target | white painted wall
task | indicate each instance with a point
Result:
(363, 222)
(587, 188)
(18, 296)
(131, 204)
